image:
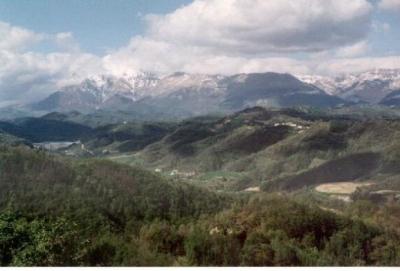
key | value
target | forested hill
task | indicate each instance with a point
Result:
(59, 212)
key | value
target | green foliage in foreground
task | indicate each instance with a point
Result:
(267, 231)
(57, 212)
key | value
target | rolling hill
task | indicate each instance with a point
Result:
(98, 213)
(282, 148)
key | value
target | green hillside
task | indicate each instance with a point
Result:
(276, 149)
(43, 184)
(173, 193)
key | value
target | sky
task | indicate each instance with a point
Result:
(48, 44)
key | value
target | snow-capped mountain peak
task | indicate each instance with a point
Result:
(325, 83)
(196, 93)
(370, 86)
(105, 86)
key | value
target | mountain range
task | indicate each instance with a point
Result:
(371, 87)
(182, 95)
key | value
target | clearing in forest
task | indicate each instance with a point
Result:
(344, 188)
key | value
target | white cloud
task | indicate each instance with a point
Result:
(14, 38)
(27, 76)
(259, 26)
(354, 50)
(355, 65)
(163, 57)
(67, 42)
(390, 5)
(206, 36)
(231, 36)
(30, 76)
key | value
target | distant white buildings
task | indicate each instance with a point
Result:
(290, 124)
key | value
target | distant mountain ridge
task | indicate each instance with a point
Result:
(182, 94)
(368, 87)
(95, 91)
(393, 99)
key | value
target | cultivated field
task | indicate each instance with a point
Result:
(344, 188)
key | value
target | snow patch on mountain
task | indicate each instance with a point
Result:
(325, 83)
(181, 81)
(371, 86)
